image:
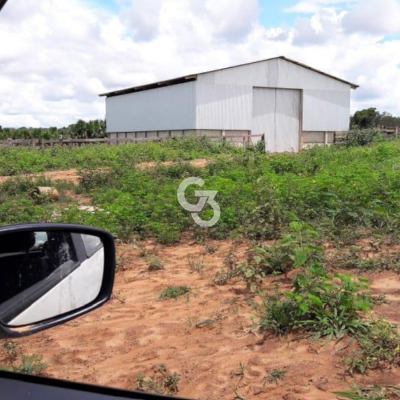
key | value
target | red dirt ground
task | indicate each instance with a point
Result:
(135, 331)
(203, 337)
(71, 175)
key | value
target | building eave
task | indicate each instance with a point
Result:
(193, 77)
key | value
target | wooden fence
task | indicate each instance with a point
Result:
(239, 139)
(390, 130)
(387, 131)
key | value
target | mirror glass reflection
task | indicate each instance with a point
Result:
(47, 273)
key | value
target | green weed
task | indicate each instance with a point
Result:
(196, 263)
(162, 381)
(379, 345)
(173, 292)
(30, 364)
(275, 375)
(374, 392)
(155, 264)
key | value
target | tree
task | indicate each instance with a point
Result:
(387, 119)
(367, 118)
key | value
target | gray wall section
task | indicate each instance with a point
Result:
(257, 74)
(276, 114)
(295, 76)
(224, 100)
(326, 101)
(287, 136)
(166, 108)
(223, 106)
(264, 105)
(275, 73)
(326, 110)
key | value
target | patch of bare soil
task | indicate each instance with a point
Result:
(203, 336)
(198, 162)
(71, 175)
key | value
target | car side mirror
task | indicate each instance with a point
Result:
(51, 273)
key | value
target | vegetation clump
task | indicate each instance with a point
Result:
(161, 381)
(17, 361)
(155, 264)
(173, 292)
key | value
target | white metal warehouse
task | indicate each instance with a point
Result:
(292, 104)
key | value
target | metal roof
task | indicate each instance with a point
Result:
(193, 77)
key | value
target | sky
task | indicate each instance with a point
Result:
(56, 56)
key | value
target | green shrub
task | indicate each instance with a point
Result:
(173, 292)
(155, 264)
(322, 304)
(294, 250)
(362, 137)
(162, 381)
(379, 345)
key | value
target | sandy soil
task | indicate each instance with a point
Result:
(203, 336)
(198, 162)
(71, 175)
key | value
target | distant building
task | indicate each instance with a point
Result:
(292, 104)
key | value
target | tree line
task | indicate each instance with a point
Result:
(80, 130)
(363, 119)
(371, 117)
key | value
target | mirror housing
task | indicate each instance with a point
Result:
(51, 273)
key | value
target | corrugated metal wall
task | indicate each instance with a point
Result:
(276, 114)
(326, 101)
(166, 108)
(223, 106)
(225, 100)
(287, 136)
(256, 74)
(264, 105)
(326, 110)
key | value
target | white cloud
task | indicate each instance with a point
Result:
(141, 19)
(56, 57)
(233, 19)
(374, 17)
(312, 6)
(322, 27)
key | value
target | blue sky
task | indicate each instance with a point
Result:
(272, 13)
(80, 48)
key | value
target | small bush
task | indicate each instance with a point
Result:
(380, 344)
(30, 364)
(294, 250)
(161, 381)
(275, 375)
(173, 292)
(196, 263)
(155, 264)
(374, 392)
(322, 304)
(362, 137)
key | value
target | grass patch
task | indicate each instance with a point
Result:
(374, 392)
(155, 264)
(17, 361)
(173, 292)
(161, 381)
(196, 263)
(275, 376)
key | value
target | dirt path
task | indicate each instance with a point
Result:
(71, 175)
(204, 337)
